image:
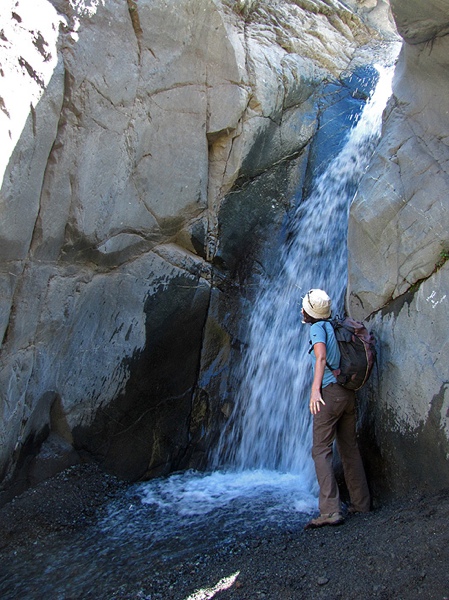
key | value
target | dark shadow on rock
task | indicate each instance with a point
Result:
(145, 431)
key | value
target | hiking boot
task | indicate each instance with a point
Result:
(352, 510)
(326, 519)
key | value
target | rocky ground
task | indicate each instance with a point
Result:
(400, 550)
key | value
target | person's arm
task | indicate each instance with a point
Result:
(319, 350)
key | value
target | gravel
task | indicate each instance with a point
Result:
(400, 550)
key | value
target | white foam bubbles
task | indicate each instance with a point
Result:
(193, 493)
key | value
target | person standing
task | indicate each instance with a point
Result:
(334, 418)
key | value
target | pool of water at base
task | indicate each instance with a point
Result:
(155, 526)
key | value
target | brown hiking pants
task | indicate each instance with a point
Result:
(336, 421)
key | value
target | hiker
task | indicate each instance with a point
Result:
(333, 410)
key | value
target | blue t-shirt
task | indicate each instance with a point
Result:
(324, 332)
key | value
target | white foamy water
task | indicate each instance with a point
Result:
(184, 505)
(190, 494)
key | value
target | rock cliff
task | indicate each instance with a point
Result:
(148, 165)
(398, 244)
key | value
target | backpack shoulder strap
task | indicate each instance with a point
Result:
(325, 331)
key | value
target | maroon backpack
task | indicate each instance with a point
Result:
(358, 353)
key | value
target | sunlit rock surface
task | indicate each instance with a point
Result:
(398, 244)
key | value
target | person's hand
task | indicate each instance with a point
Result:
(315, 402)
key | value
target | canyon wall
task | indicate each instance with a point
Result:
(398, 270)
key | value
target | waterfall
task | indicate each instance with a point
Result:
(269, 427)
(269, 478)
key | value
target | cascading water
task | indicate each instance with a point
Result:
(270, 424)
(268, 476)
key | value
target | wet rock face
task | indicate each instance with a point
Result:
(145, 187)
(398, 244)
